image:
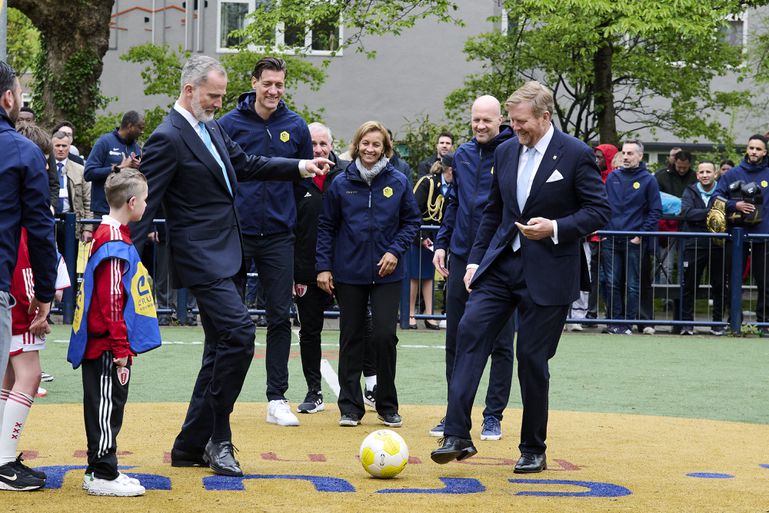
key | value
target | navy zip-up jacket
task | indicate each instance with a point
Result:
(758, 173)
(468, 194)
(267, 207)
(634, 198)
(108, 150)
(360, 223)
(25, 201)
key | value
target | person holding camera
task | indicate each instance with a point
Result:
(744, 206)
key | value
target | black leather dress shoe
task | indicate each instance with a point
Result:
(453, 448)
(530, 463)
(220, 456)
(186, 459)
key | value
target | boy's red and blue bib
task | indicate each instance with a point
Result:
(139, 314)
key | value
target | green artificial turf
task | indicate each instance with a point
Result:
(699, 377)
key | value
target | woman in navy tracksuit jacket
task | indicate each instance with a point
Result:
(369, 219)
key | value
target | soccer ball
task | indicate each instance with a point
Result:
(384, 454)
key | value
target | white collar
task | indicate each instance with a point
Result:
(108, 219)
(544, 142)
(191, 119)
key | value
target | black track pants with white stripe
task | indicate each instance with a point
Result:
(104, 399)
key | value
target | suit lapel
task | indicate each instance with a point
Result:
(198, 148)
(546, 167)
(218, 139)
(514, 178)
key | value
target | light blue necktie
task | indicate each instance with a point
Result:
(210, 145)
(524, 176)
(522, 188)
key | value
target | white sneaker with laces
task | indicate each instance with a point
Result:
(122, 486)
(279, 412)
(649, 330)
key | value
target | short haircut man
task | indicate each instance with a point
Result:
(262, 123)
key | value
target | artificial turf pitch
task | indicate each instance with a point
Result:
(637, 424)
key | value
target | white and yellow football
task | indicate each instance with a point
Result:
(384, 454)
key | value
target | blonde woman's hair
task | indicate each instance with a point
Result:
(368, 127)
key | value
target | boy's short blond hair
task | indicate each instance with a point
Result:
(122, 185)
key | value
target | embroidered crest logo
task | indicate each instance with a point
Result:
(387, 191)
(285, 136)
(636, 185)
(123, 373)
(764, 183)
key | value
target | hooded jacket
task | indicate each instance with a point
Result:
(265, 207)
(609, 151)
(747, 172)
(634, 198)
(360, 223)
(473, 163)
(25, 201)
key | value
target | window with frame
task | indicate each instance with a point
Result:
(736, 29)
(316, 37)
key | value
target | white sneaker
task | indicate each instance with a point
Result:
(279, 412)
(123, 486)
(442, 324)
(649, 331)
(574, 327)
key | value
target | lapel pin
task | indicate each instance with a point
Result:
(555, 157)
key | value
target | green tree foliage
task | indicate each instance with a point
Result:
(420, 136)
(74, 36)
(648, 63)
(23, 42)
(361, 18)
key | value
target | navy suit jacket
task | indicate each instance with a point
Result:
(201, 222)
(577, 201)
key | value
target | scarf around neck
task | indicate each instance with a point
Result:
(369, 174)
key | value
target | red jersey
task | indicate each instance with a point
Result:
(106, 327)
(23, 286)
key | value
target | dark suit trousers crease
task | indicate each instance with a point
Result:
(274, 259)
(353, 300)
(502, 358)
(495, 296)
(227, 353)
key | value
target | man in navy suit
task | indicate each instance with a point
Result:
(546, 194)
(193, 168)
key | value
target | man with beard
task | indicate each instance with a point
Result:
(194, 168)
(752, 170)
(115, 150)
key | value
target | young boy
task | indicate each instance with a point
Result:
(22, 376)
(701, 253)
(115, 319)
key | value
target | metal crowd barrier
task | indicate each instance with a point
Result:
(668, 289)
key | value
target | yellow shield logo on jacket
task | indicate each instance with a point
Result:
(285, 136)
(141, 293)
(387, 191)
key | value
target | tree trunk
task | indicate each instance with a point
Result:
(75, 37)
(604, 95)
